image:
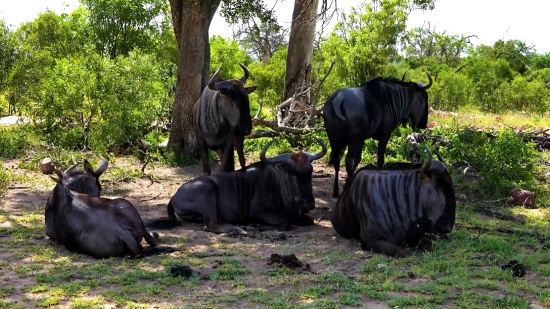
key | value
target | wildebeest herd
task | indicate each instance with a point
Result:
(389, 208)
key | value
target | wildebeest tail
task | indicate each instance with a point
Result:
(164, 223)
(159, 249)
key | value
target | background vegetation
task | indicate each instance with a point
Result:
(104, 75)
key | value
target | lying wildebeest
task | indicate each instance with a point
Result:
(78, 218)
(391, 208)
(274, 191)
(222, 119)
(372, 110)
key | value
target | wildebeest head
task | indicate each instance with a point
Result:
(438, 195)
(234, 93)
(298, 165)
(86, 181)
(418, 110)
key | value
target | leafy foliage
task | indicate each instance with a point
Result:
(4, 182)
(104, 75)
(504, 163)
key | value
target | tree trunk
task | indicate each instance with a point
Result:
(300, 47)
(191, 21)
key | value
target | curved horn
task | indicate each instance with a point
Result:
(70, 169)
(280, 158)
(213, 80)
(429, 83)
(246, 74)
(102, 168)
(428, 164)
(403, 78)
(319, 155)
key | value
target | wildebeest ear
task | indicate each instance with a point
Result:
(249, 90)
(88, 168)
(422, 177)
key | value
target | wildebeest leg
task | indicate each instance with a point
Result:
(238, 142)
(382, 144)
(382, 246)
(228, 158)
(203, 150)
(335, 161)
(273, 221)
(352, 160)
(303, 220)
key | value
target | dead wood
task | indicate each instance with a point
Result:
(498, 214)
(504, 230)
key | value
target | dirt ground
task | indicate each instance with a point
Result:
(340, 261)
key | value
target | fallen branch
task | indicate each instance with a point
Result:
(17, 188)
(504, 230)
(152, 198)
(272, 124)
(262, 133)
(498, 214)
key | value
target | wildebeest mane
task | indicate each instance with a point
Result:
(79, 181)
(64, 197)
(275, 183)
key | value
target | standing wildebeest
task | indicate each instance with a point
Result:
(391, 208)
(372, 110)
(221, 119)
(274, 191)
(83, 222)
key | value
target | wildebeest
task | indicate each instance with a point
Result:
(222, 119)
(390, 209)
(78, 218)
(372, 110)
(274, 192)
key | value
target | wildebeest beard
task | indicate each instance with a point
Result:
(281, 188)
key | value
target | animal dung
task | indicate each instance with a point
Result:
(181, 271)
(290, 261)
(518, 270)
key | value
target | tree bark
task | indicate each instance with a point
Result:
(300, 47)
(191, 20)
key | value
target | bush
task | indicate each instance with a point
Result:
(14, 140)
(4, 181)
(504, 163)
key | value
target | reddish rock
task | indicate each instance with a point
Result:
(433, 124)
(522, 197)
(497, 118)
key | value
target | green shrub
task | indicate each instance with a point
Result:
(4, 181)
(14, 141)
(503, 163)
